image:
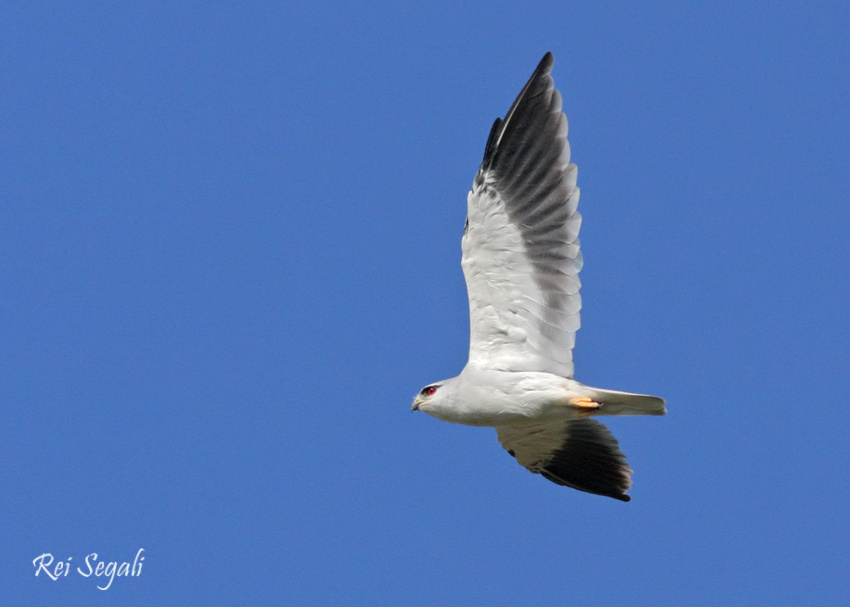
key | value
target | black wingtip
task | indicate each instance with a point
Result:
(590, 460)
(543, 69)
(546, 63)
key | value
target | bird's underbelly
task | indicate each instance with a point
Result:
(486, 397)
(498, 398)
(494, 414)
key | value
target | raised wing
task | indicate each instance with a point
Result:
(521, 254)
(582, 454)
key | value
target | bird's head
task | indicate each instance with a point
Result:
(428, 396)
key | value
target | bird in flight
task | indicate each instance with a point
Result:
(521, 260)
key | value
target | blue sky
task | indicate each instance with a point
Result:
(229, 258)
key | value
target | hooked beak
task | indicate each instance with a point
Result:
(415, 405)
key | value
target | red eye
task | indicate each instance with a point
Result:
(429, 390)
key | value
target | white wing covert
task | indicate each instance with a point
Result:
(521, 255)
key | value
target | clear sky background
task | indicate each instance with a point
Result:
(230, 257)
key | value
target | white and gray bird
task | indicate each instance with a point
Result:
(521, 260)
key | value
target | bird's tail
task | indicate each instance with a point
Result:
(626, 403)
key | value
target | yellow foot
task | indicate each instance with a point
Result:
(583, 402)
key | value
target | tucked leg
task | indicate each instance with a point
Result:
(584, 402)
